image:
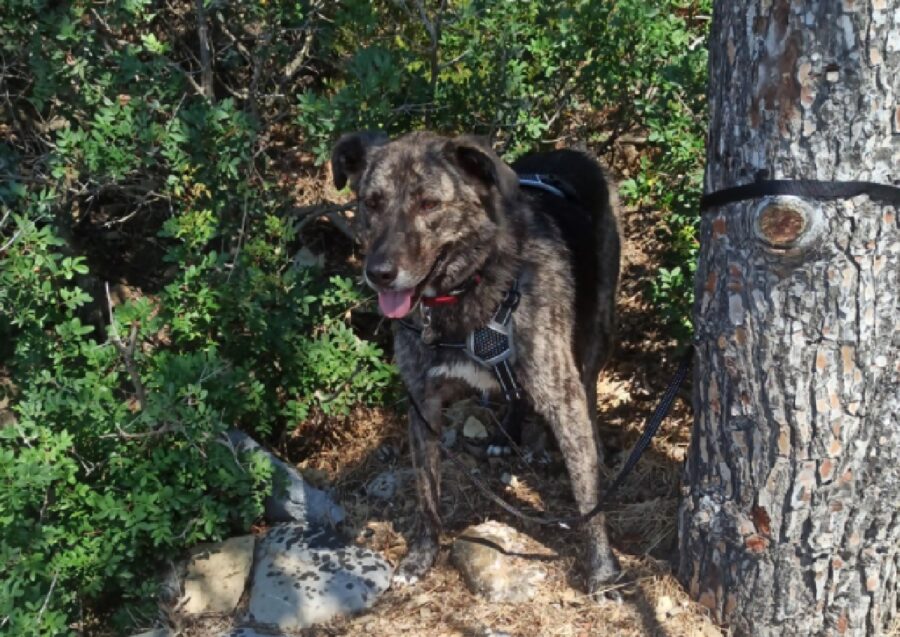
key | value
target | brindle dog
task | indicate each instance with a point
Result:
(437, 214)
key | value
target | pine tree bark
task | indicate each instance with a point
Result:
(790, 518)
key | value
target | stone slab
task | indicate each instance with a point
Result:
(305, 577)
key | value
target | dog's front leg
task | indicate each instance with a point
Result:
(424, 438)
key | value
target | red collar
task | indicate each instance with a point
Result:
(452, 297)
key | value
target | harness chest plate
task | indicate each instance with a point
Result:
(493, 346)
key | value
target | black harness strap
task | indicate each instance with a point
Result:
(407, 324)
(810, 188)
(545, 182)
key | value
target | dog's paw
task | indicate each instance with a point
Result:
(388, 454)
(418, 560)
(605, 581)
(402, 579)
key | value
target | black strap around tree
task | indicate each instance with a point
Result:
(810, 188)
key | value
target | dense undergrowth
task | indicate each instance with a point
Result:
(150, 294)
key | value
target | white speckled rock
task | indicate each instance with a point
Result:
(302, 578)
(474, 429)
(217, 574)
(300, 502)
(498, 562)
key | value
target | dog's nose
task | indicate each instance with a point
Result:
(382, 273)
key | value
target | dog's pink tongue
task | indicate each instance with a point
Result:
(395, 303)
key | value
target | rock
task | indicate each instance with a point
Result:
(305, 577)
(486, 556)
(666, 608)
(457, 413)
(298, 501)
(305, 258)
(474, 429)
(383, 486)
(7, 415)
(216, 575)
(629, 154)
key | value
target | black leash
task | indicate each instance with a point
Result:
(650, 428)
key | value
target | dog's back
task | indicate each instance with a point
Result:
(587, 221)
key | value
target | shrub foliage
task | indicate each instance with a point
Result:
(150, 298)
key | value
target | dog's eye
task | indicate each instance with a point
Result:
(372, 202)
(427, 205)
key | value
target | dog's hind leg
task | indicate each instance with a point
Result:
(424, 437)
(560, 398)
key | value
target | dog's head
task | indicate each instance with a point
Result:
(430, 210)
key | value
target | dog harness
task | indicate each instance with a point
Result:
(547, 182)
(492, 346)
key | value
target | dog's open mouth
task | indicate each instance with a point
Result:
(396, 304)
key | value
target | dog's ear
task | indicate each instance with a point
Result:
(349, 156)
(475, 157)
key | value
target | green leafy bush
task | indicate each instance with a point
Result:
(104, 473)
(116, 169)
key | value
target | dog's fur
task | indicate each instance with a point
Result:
(434, 211)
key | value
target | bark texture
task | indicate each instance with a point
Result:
(790, 520)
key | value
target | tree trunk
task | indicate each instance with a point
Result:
(790, 522)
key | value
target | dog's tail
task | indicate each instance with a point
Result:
(595, 191)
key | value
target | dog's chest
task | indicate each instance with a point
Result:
(474, 375)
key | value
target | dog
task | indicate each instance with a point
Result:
(455, 240)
